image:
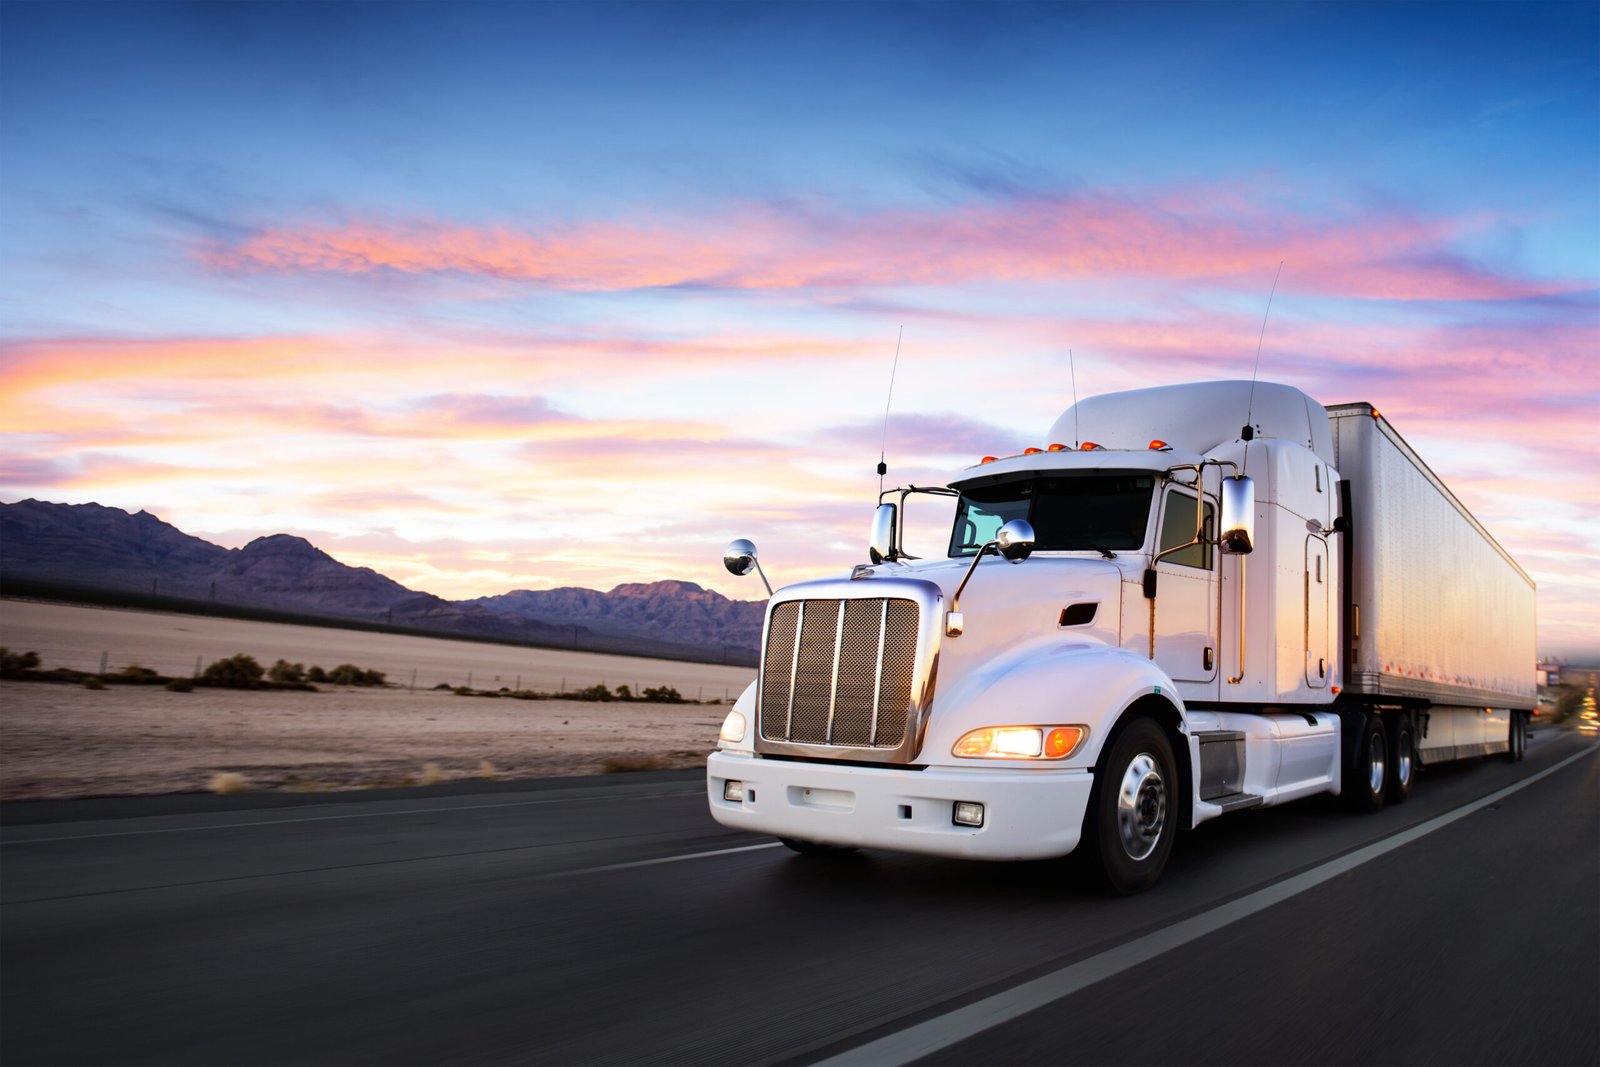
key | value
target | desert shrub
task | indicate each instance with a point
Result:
(93, 682)
(463, 690)
(624, 693)
(181, 685)
(228, 782)
(594, 692)
(14, 663)
(316, 674)
(623, 764)
(486, 770)
(138, 675)
(284, 671)
(350, 674)
(432, 775)
(238, 671)
(444, 685)
(663, 694)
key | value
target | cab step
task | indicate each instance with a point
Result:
(1236, 801)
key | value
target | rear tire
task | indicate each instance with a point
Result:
(1367, 775)
(1133, 809)
(1519, 737)
(1402, 770)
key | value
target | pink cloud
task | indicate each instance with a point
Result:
(1386, 255)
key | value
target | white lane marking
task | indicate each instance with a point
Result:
(351, 815)
(663, 859)
(925, 1038)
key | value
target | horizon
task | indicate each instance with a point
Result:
(477, 295)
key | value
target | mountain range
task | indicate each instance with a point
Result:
(88, 548)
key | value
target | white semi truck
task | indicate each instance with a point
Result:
(1188, 601)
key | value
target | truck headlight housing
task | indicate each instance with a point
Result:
(733, 728)
(1021, 742)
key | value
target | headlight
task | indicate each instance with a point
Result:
(733, 728)
(1021, 742)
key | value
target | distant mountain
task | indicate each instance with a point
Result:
(671, 611)
(92, 547)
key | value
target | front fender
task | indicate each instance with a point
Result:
(1047, 682)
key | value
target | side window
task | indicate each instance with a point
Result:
(1177, 527)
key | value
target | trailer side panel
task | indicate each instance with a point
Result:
(1440, 611)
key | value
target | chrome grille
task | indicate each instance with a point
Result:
(839, 672)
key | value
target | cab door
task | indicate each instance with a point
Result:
(1317, 591)
(1185, 607)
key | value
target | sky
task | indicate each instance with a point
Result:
(496, 296)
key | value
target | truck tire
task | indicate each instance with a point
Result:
(1367, 774)
(1133, 809)
(1402, 760)
(1519, 738)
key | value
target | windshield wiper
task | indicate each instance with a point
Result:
(1106, 552)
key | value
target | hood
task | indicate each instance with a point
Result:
(1006, 603)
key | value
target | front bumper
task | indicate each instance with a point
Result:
(1027, 814)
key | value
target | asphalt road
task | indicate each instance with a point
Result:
(611, 921)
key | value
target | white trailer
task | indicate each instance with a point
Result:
(1186, 602)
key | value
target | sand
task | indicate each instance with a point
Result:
(67, 741)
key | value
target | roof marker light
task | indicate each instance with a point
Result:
(1031, 451)
(1058, 448)
(1090, 446)
(986, 459)
(1160, 446)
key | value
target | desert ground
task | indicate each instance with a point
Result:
(68, 741)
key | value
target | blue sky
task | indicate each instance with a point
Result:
(432, 284)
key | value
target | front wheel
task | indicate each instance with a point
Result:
(1133, 810)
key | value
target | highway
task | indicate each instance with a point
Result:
(610, 921)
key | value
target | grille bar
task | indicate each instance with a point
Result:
(877, 671)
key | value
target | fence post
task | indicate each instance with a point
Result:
(197, 666)
(103, 657)
(413, 679)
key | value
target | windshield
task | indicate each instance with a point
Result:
(1068, 512)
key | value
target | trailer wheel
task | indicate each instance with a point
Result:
(1519, 737)
(1133, 809)
(1402, 760)
(812, 848)
(1366, 780)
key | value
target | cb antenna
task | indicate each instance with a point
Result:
(883, 468)
(1249, 433)
(1072, 366)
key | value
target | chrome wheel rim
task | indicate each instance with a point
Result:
(1402, 763)
(1375, 766)
(1141, 806)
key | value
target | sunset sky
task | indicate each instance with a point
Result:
(509, 296)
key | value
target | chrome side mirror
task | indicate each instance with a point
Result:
(880, 546)
(1238, 515)
(1015, 540)
(740, 558)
